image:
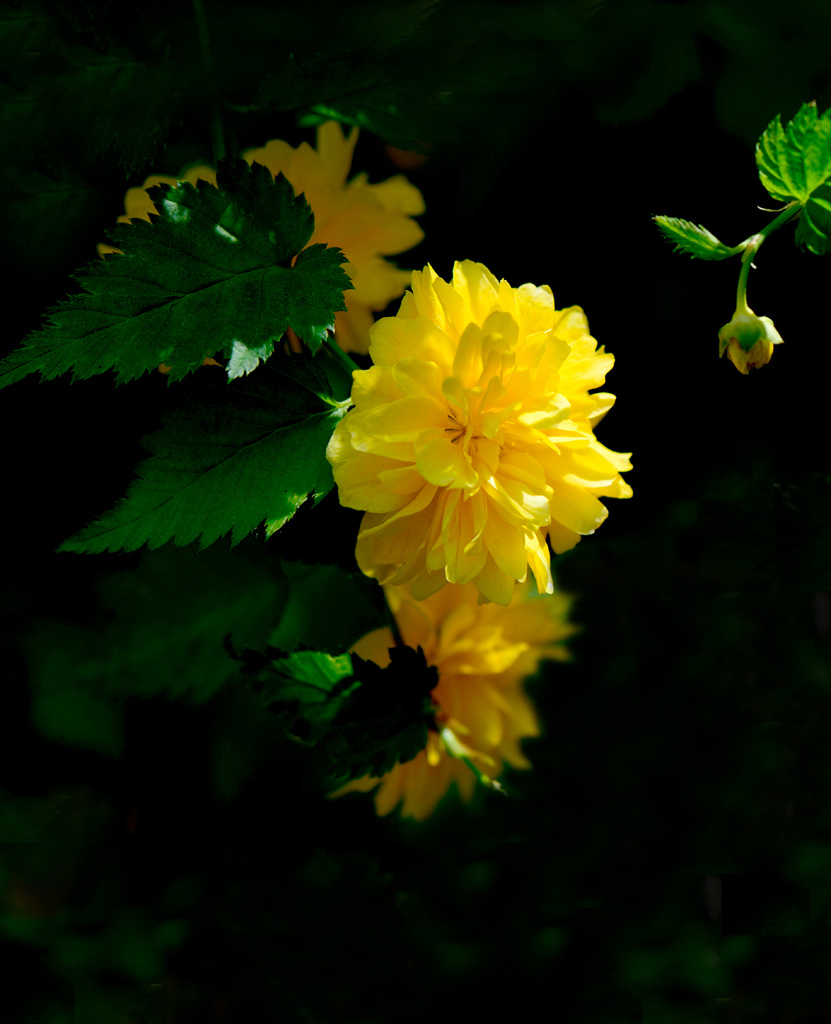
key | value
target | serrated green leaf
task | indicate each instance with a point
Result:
(795, 160)
(363, 719)
(305, 689)
(813, 230)
(230, 458)
(694, 239)
(384, 720)
(169, 620)
(211, 273)
(314, 675)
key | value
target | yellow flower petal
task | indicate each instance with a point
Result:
(443, 463)
(398, 195)
(336, 151)
(405, 419)
(576, 509)
(360, 477)
(477, 286)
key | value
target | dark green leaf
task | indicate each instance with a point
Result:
(327, 609)
(795, 160)
(813, 230)
(385, 719)
(694, 239)
(211, 273)
(59, 96)
(230, 458)
(363, 719)
(44, 216)
(169, 621)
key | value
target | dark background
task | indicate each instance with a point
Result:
(167, 856)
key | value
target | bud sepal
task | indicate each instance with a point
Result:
(748, 339)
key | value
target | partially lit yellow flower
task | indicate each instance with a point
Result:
(368, 222)
(471, 443)
(748, 339)
(482, 653)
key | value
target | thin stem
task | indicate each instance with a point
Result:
(753, 244)
(347, 363)
(217, 135)
(748, 255)
(454, 748)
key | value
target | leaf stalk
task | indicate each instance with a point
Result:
(750, 246)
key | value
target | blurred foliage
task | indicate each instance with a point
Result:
(167, 854)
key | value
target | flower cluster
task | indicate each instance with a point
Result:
(482, 653)
(471, 443)
(368, 222)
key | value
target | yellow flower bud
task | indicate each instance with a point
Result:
(748, 339)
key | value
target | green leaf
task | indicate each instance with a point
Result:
(228, 459)
(795, 160)
(384, 720)
(211, 273)
(813, 229)
(694, 239)
(362, 718)
(170, 619)
(327, 609)
(44, 216)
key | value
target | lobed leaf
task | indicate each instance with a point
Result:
(694, 239)
(215, 271)
(228, 459)
(795, 160)
(362, 718)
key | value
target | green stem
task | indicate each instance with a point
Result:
(217, 135)
(455, 750)
(335, 349)
(752, 245)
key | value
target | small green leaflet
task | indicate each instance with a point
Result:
(795, 160)
(362, 718)
(694, 239)
(227, 459)
(212, 273)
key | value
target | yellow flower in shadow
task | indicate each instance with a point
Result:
(471, 442)
(483, 652)
(368, 222)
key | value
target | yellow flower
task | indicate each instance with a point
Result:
(748, 339)
(368, 222)
(471, 442)
(482, 653)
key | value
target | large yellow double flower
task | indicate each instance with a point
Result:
(471, 442)
(482, 653)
